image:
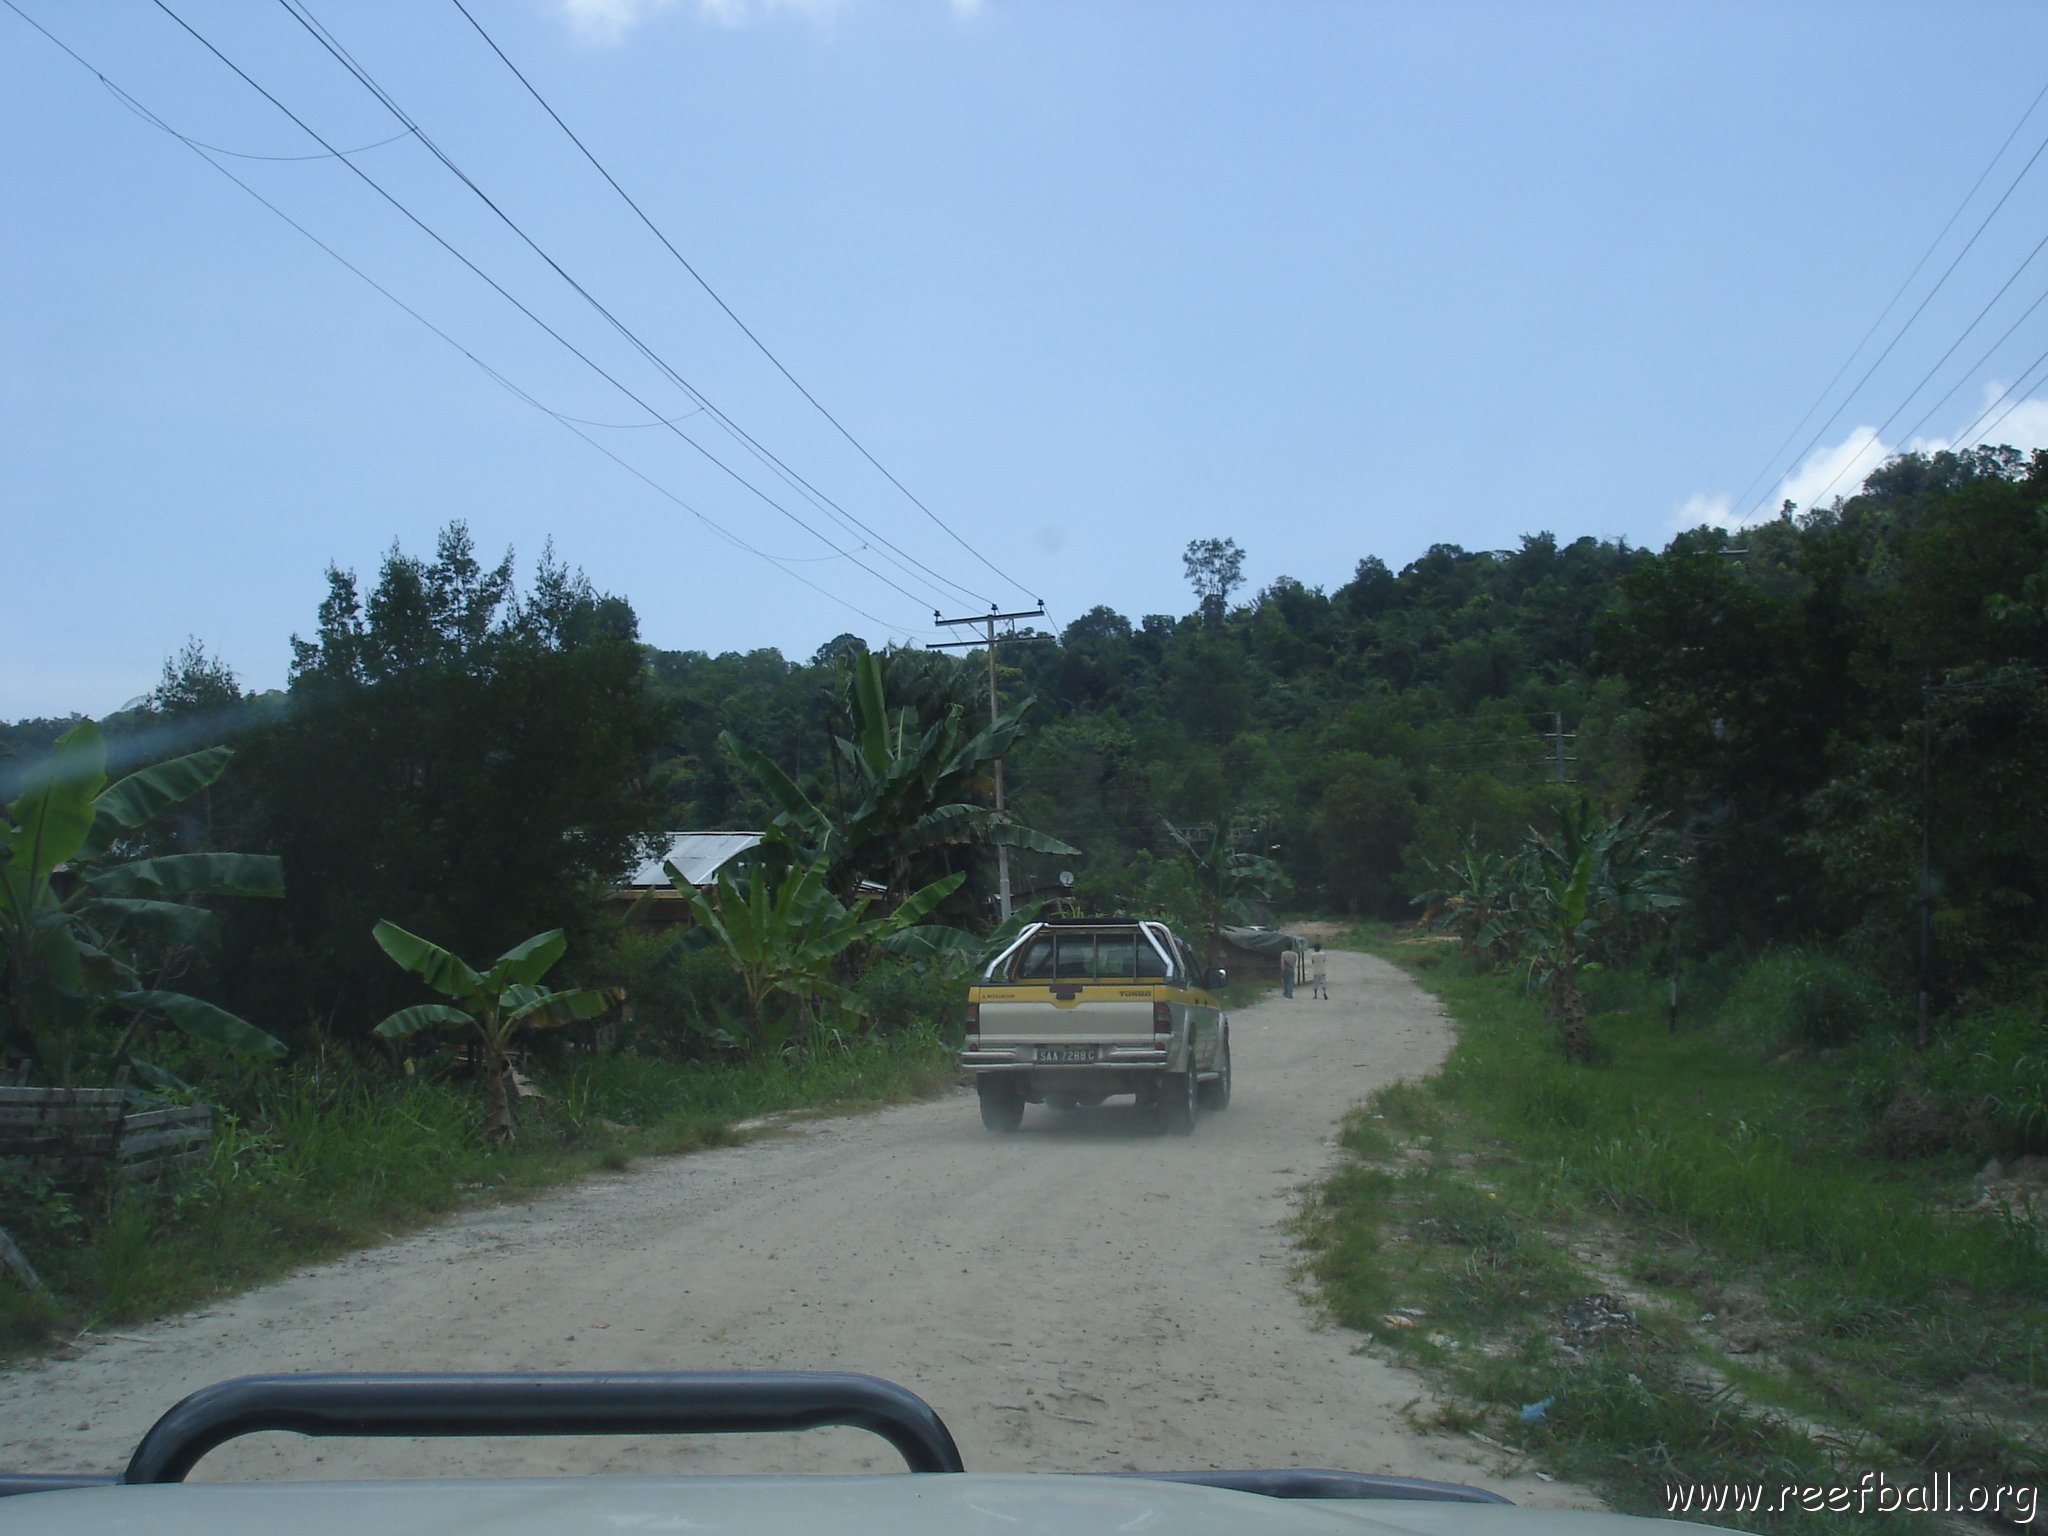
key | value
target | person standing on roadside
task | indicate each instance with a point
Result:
(1290, 966)
(1319, 972)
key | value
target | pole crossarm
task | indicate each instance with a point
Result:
(991, 617)
(988, 622)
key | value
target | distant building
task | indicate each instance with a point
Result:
(651, 898)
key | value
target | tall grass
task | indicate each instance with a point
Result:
(1809, 997)
(1739, 1165)
(1694, 1133)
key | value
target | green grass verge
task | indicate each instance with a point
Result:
(1798, 1308)
(332, 1156)
(1245, 991)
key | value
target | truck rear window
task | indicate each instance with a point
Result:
(1117, 955)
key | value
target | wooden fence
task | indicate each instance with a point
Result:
(75, 1133)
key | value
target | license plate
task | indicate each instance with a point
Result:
(1067, 1053)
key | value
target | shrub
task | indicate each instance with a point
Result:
(1808, 996)
(1991, 1071)
(1981, 1087)
(682, 998)
(906, 994)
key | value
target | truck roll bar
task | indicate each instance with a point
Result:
(542, 1403)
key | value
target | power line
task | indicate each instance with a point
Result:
(239, 154)
(1892, 303)
(302, 14)
(504, 293)
(1800, 457)
(142, 111)
(745, 329)
(2013, 392)
(1971, 372)
(1877, 437)
(851, 524)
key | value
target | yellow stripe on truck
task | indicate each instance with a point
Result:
(1085, 992)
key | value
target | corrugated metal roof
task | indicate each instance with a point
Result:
(697, 854)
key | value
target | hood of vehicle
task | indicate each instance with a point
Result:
(967, 1504)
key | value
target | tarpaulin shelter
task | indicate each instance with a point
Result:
(1256, 952)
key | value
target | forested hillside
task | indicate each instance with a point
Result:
(1769, 692)
(1787, 698)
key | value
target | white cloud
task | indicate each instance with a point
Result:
(1699, 507)
(1831, 471)
(2026, 428)
(1838, 470)
(606, 22)
(737, 13)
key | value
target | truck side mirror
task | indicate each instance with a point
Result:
(1213, 982)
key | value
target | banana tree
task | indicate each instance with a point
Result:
(1585, 895)
(75, 914)
(1641, 863)
(1476, 890)
(902, 790)
(784, 930)
(496, 1005)
(1551, 923)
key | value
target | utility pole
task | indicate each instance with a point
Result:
(1558, 739)
(989, 621)
(1926, 853)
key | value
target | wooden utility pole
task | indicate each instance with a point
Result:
(1926, 855)
(1558, 739)
(989, 621)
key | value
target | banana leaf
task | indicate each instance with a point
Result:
(444, 972)
(525, 963)
(410, 1021)
(54, 812)
(174, 920)
(131, 801)
(918, 903)
(203, 1021)
(796, 807)
(932, 941)
(192, 874)
(551, 1010)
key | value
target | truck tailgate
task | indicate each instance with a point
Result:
(1066, 1010)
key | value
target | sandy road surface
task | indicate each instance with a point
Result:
(1079, 1296)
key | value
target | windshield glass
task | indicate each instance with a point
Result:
(1188, 721)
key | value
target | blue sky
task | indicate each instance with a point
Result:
(1090, 279)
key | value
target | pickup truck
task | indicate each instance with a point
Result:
(1079, 1009)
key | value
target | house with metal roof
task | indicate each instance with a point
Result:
(652, 898)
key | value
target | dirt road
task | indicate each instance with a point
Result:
(1079, 1296)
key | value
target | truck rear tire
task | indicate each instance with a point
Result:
(1175, 1105)
(1216, 1094)
(1002, 1107)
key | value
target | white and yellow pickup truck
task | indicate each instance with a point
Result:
(1080, 1009)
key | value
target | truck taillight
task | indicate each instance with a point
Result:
(973, 1020)
(1162, 1021)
